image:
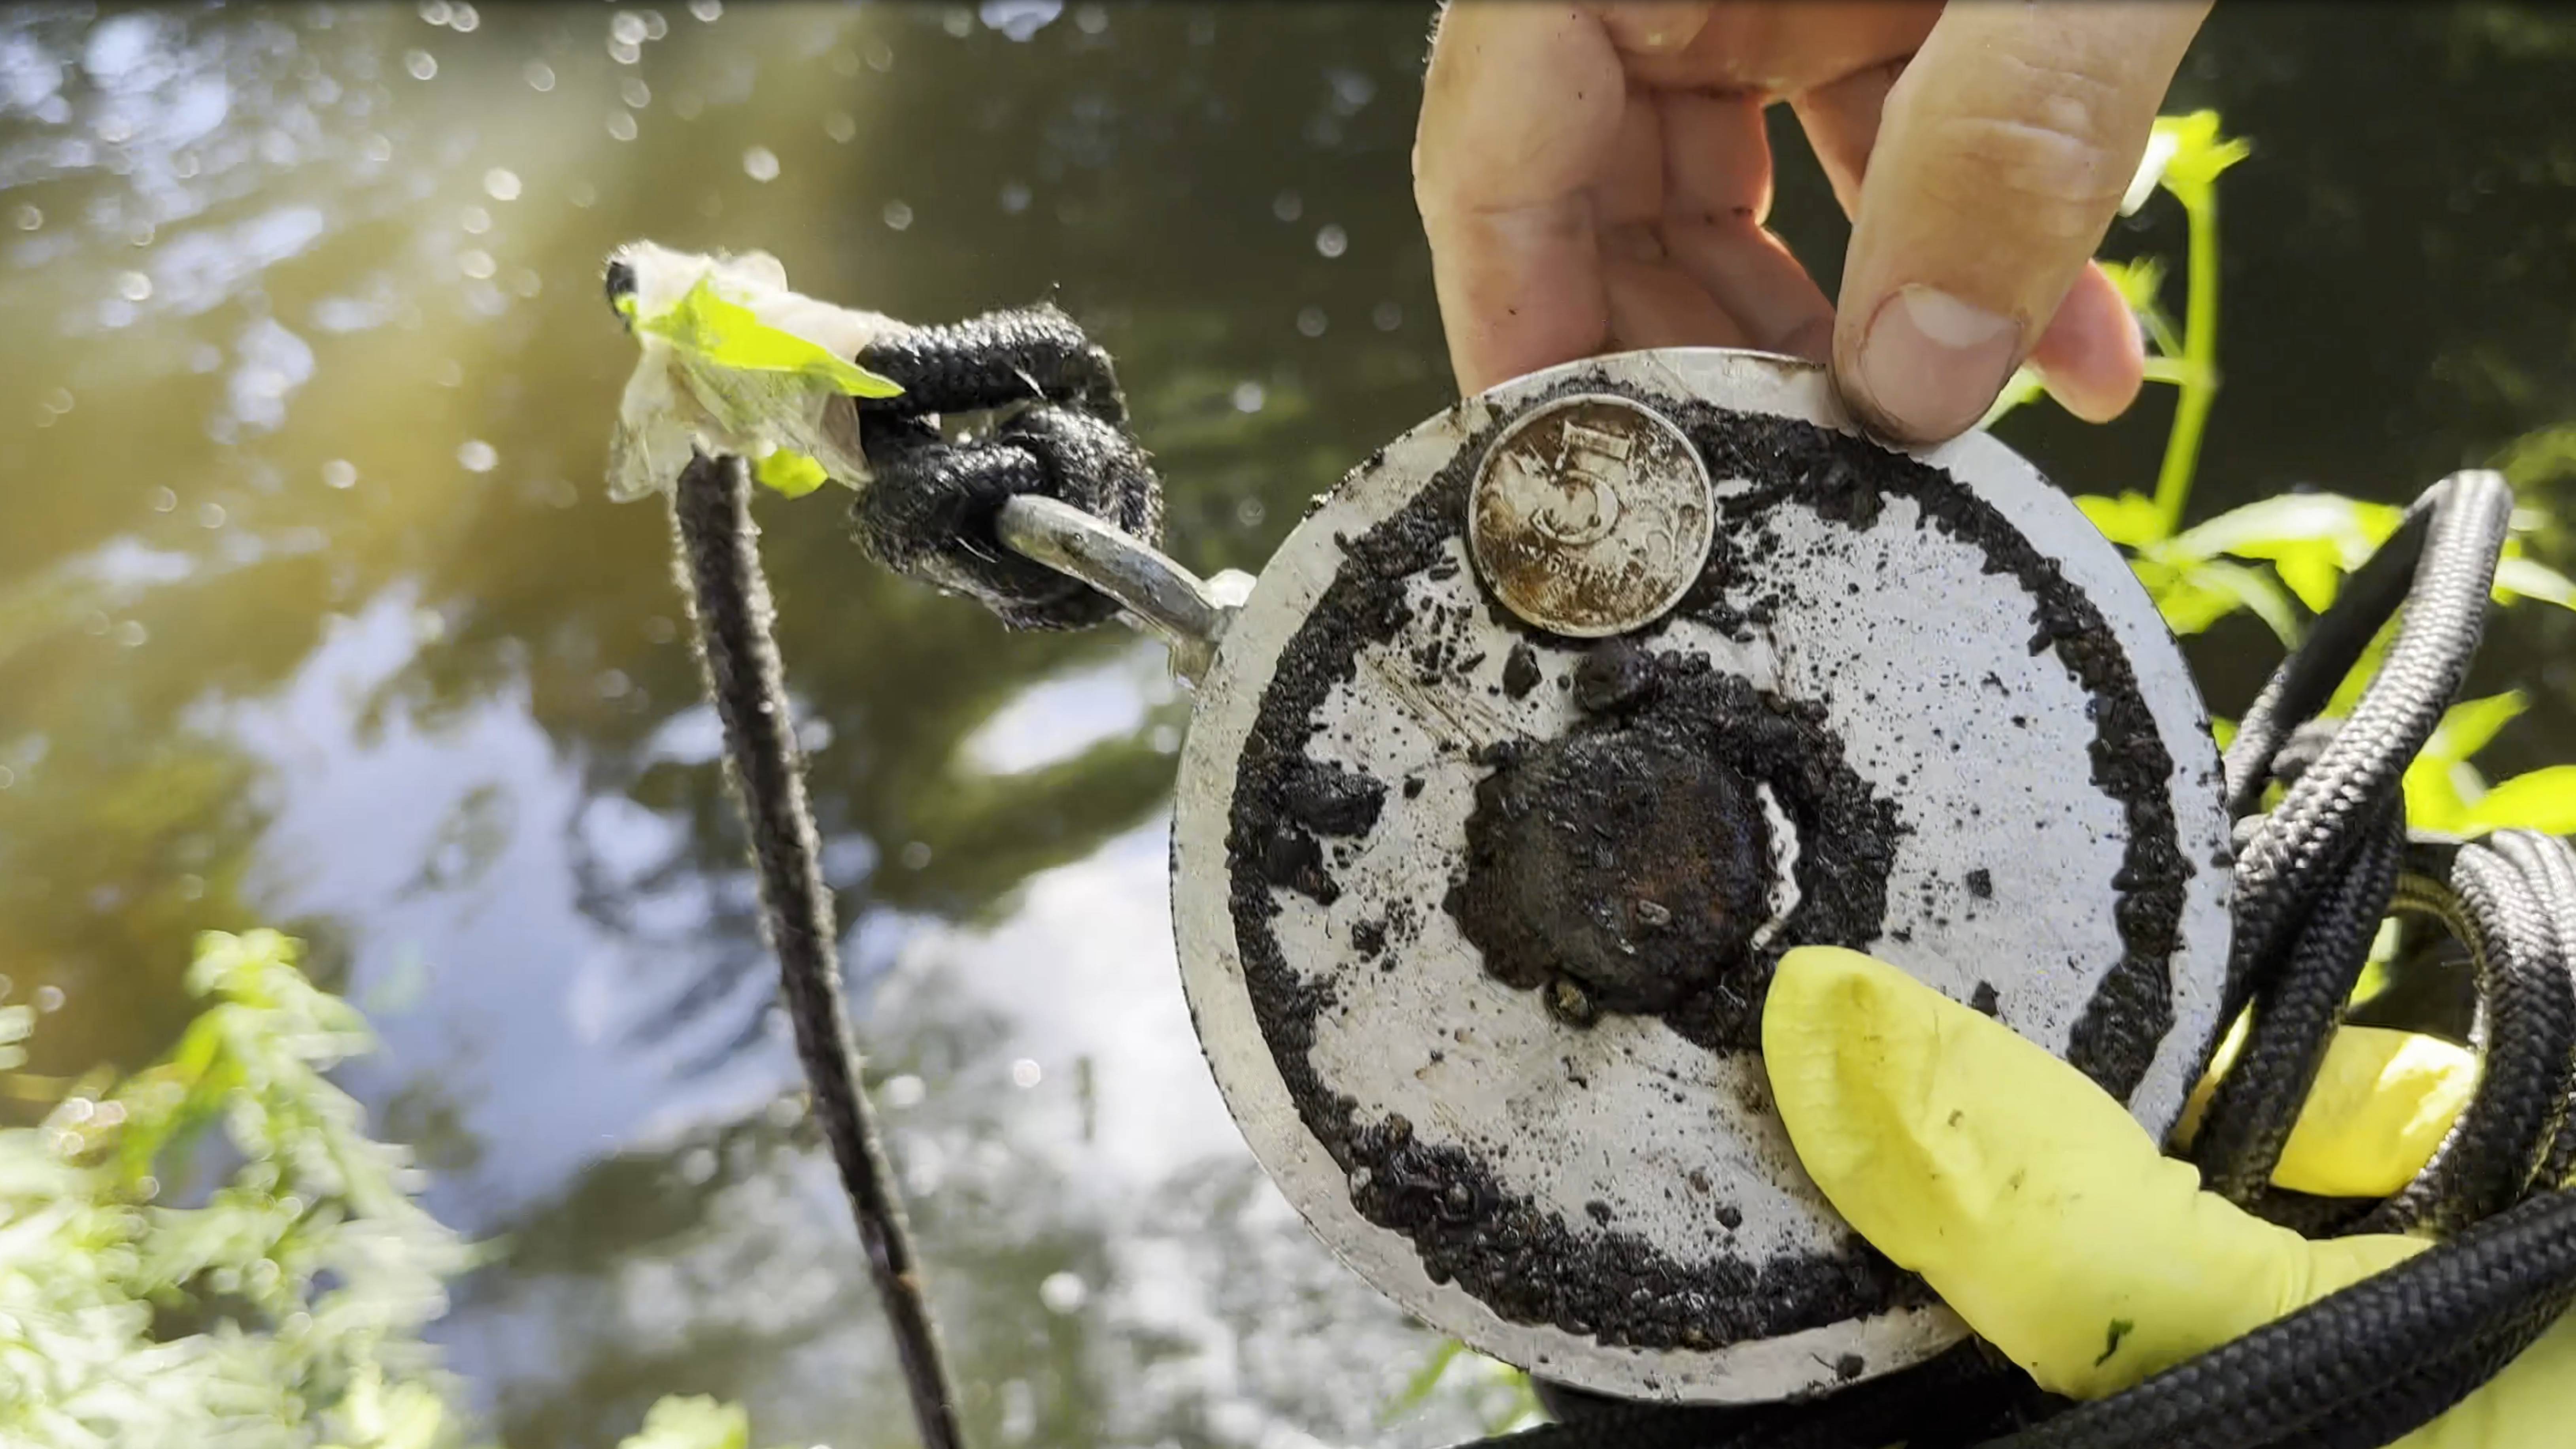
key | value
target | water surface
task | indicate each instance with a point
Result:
(313, 611)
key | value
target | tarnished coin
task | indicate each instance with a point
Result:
(1591, 516)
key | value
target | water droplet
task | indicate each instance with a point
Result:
(210, 515)
(621, 126)
(541, 76)
(898, 215)
(29, 218)
(635, 93)
(840, 125)
(1164, 739)
(697, 1166)
(627, 26)
(583, 195)
(624, 53)
(614, 684)
(501, 184)
(760, 164)
(706, 10)
(133, 286)
(420, 63)
(1062, 1293)
(462, 18)
(1025, 1073)
(1020, 20)
(1387, 316)
(434, 11)
(1250, 512)
(655, 27)
(163, 500)
(475, 220)
(1248, 397)
(880, 56)
(475, 264)
(96, 622)
(904, 1091)
(916, 855)
(1311, 321)
(59, 400)
(8, 777)
(1015, 197)
(340, 473)
(378, 147)
(1287, 206)
(1091, 19)
(49, 998)
(958, 22)
(526, 282)
(477, 456)
(192, 887)
(1332, 241)
(131, 633)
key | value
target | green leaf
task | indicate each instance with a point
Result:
(2022, 387)
(1417, 1389)
(2129, 519)
(2542, 800)
(2470, 725)
(729, 334)
(2294, 523)
(2522, 578)
(2199, 153)
(2222, 730)
(2200, 594)
(2313, 571)
(789, 472)
(697, 1422)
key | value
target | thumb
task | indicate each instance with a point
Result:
(2001, 157)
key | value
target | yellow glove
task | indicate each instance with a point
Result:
(2036, 1206)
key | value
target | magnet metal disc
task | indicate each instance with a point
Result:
(1967, 743)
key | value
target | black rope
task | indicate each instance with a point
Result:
(728, 597)
(929, 512)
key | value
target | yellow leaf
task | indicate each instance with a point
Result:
(2542, 800)
(732, 335)
(2131, 518)
(789, 472)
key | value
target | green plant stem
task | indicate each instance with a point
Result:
(2199, 378)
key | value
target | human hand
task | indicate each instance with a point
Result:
(2035, 1205)
(1595, 177)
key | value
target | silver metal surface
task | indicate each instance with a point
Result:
(1591, 516)
(1189, 613)
(1999, 889)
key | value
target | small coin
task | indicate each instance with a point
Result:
(1591, 516)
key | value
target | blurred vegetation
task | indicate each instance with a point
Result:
(264, 1287)
(2283, 558)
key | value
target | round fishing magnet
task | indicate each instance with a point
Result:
(1544, 736)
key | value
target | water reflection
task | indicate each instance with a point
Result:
(312, 609)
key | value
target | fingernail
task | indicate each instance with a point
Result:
(1930, 364)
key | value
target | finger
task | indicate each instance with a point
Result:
(1718, 190)
(2002, 154)
(2092, 355)
(1973, 1157)
(1841, 122)
(2382, 1101)
(1521, 108)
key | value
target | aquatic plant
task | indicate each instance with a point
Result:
(261, 1288)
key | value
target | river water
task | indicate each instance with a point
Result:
(313, 611)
